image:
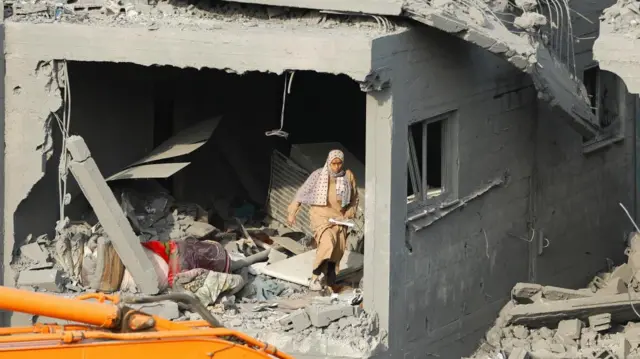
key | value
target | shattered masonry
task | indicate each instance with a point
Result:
(599, 321)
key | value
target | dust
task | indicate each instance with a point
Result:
(203, 16)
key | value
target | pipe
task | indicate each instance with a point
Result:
(245, 262)
(98, 314)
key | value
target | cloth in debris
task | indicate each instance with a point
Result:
(315, 188)
(190, 253)
(208, 285)
(161, 267)
(330, 239)
(267, 289)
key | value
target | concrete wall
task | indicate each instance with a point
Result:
(448, 281)
(112, 114)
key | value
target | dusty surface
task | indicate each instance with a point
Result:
(201, 16)
(622, 18)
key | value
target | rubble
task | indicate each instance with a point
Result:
(199, 16)
(601, 321)
(530, 21)
(46, 279)
(251, 272)
(623, 17)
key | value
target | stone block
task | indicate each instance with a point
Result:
(47, 279)
(296, 321)
(200, 229)
(321, 316)
(600, 322)
(519, 353)
(570, 329)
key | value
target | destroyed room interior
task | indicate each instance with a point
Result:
(192, 157)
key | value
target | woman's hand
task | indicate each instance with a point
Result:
(291, 219)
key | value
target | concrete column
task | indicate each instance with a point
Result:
(385, 207)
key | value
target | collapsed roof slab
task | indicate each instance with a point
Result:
(377, 7)
(480, 26)
(232, 48)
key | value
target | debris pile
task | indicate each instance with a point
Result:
(623, 17)
(600, 321)
(248, 269)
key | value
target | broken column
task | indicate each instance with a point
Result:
(110, 215)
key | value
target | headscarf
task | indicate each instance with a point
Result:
(315, 189)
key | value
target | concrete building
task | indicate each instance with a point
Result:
(473, 181)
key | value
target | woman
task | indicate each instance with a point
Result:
(332, 194)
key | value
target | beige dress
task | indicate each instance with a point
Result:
(331, 239)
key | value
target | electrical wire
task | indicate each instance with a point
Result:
(287, 90)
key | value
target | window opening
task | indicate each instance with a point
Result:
(426, 153)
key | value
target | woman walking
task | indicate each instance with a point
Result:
(332, 194)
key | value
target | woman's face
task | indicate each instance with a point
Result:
(336, 165)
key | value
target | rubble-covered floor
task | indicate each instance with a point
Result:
(544, 322)
(285, 314)
(217, 215)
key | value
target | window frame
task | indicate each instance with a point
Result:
(449, 162)
(616, 133)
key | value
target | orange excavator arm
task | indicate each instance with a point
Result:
(108, 329)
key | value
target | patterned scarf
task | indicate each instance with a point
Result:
(315, 189)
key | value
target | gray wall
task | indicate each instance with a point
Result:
(112, 110)
(448, 283)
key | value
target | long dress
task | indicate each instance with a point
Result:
(331, 239)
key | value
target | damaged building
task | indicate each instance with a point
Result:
(488, 148)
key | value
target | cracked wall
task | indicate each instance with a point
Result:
(114, 130)
(32, 93)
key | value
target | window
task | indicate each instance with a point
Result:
(605, 94)
(432, 163)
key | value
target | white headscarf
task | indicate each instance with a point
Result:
(315, 189)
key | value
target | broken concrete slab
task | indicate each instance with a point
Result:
(200, 229)
(613, 286)
(296, 321)
(48, 279)
(322, 315)
(557, 293)
(550, 314)
(525, 291)
(623, 271)
(34, 252)
(276, 256)
(165, 309)
(110, 215)
(570, 329)
(519, 353)
(289, 244)
(378, 7)
(297, 269)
